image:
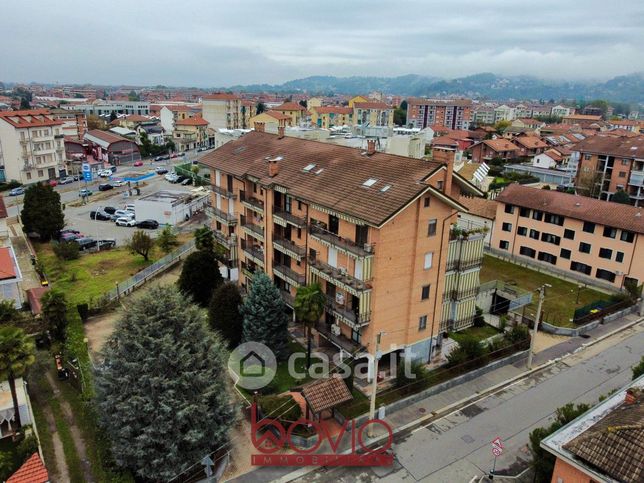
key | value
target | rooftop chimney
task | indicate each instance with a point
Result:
(280, 132)
(445, 156)
(273, 168)
(259, 126)
(371, 147)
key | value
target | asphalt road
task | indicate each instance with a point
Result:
(457, 447)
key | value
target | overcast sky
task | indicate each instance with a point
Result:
(218, 43)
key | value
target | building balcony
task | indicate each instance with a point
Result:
(345, 315)
(253, 253)
(288, 274)
(339, 277)
(226, 241)
(460, 294)
(252, 229)
(223, 192)
(222, 216)
(288, 298)
(340, 341)
(282, 218)
(344, 245)
(451, 325)
(463, 265)
(289, 247)
(248, 272)
(637, 178)
(251, 203)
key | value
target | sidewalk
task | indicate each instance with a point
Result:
(451, 397)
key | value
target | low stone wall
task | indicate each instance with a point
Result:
(577, 331)
(443, 386)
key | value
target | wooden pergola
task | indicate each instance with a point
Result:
(324, 394)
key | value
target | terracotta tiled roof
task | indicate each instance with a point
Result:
(7, 269)
(554, 154)
(106, 136)
(500, 145)
(615, 444)
(479, 206)
(290, 106)
(3, 208)
(444, 141)
(581, 117)
(333, 110)
(530, 142)
(278, 115)
(32, 471)
(624, 122)
(191, 121)
(419, 101)
(221, 96)
(178, 108)
(136, 118)
(582, 208)
(30, 118)
(34, 296)
(627, 147)
(371, 105)
(326, 393)
(335, 176)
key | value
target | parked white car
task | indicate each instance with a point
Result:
(122, 214)
(125, 221)
(129, 207)
(118, 183)
(105, 173)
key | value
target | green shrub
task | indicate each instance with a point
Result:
(469, 354)
(417, 372)
(479, 321)
(519, 333)
(638, 369)
(280, 407)
(27, 447)
(66, 250)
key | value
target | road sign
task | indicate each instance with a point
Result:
(496, 451)
(87, 172)
(208, 463)
(498, 443)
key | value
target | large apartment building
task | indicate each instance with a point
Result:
(372, 228)
(606, 164)
(597, 241)
(223, 111)
(106, 108)
(31, 146)
(451, 113)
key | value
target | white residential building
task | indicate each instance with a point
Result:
(106, 108)
(31, 146)
(223, 111)
(561, 111)
(504, 113)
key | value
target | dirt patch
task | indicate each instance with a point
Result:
(58, 471)
(99, 328)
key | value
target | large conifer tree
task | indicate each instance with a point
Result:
(224, 315)
(162, 389)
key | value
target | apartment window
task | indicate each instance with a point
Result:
(524, 212)
(439, 185)
(565, 253)
(625, 162)
(506, 227)
(627, 236)
(28, 175)
(424, 292)
(587, 157)
(422, 322)
(605, 253)
(622, 174)
(509, 209)
(554, 219)
(580, 267)
(605, 275)
(522, 230)
(547, 257)
(218, 225)
(299, 205)
(527, 252)
(589, 227)
(40, 173)
(584, 247)
(426, 201)
(429, 258)
(537, 215)
(619, 257)
(299, 233)
(550, 238)
(504, 245)
(610, 232)
(431, 227)
(569, 234)
(534, 234)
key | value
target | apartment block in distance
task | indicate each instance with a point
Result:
(223, 111)
(372, 228)
(606, 164)
(31, 146)
(451, 113)
(597, 241)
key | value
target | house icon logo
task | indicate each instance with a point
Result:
(252, 365)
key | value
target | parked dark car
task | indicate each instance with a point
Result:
(186, 181)
(161, 170)
(85, 243)
(109, 209)
(99, 215)
(149, 224)
(106, 244)
(105, 187)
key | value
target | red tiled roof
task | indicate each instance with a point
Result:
(32, 471)
(371, 105)
(7, 269)
(530, 142)
(444, 141)
(479, 206)
(290, 106)
(136, 118)
(554, 154)
(332, 110)
(3, 208)
(326, 393)
(578, 207)
(221, 96)
(191, 121)
(106, 136)
(178, 108)
(278, 115)
(30, 118)
(582, 117)
(627, 147)
(499, 145)
(419, 101)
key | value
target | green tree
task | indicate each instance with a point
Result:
(204, 239)
(24, 103)
(133, 96)
(164, 375)
(54, 313)
(260, 107)
(470, 353)
(167, 239)
(265, 319)
(622, 197)
(200, 277)
(8, 311)
(224, 315)
(141, 243)
(400, 116)
(113, 116)
(403, 105)
(309, 307)
(16, 355)
(42, 212)
(66, 250)
(638, 369)
(501, 126)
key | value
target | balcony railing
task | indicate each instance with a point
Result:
(254, 254)
(288, 247)
(226, 241)
(288, 298)
(252, 229)
(450, 325)
(222, 216)
(282, 217)
(343, 244)
(251, 203)
(352, 318)
(288, 274)
(637, 178)
(462, 265)
(460, 294)
(339, 277)
(353, 348)
(223, 192)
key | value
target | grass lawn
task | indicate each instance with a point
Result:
(479, 333)
(561, 300)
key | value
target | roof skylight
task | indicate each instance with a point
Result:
(370, 182)
(309, 167)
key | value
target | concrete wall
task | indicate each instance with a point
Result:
(577, 331)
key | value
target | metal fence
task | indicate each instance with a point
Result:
(129, 285)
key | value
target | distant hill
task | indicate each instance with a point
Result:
(627, 88)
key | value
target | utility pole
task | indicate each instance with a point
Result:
(542, 295)
(374, 383)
